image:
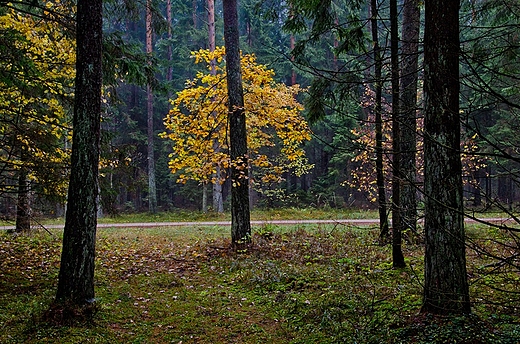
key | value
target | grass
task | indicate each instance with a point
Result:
(180, 215)
(190, 216)
(299, 284)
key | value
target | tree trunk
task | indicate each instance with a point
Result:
(293, 70)
(218, 200)
(194, 14)
(380, 178)
(152, 189)
(169, 72)
(240, 217)
(410, 49)
(23, 210)
(397, 225)
(445, 279)
(76, 276)
(204, 197)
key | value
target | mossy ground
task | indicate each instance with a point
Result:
(299, 284)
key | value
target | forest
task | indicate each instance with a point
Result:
(399, 112)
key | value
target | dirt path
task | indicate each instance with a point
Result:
(351, 222)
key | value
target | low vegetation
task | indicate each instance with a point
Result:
(299, 284)
(180, 215)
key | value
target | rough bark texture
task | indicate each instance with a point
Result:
(410, 57)
(152, 188)
(397, 225)
(445, 285)
(76, 276)
(240, 217)
(380, 178)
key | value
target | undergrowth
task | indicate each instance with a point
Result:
(180, 215)
(326, 285)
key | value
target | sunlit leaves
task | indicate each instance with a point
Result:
(198, 124)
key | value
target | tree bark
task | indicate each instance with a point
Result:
(445, 280)
(293, 70)
(218, 199)
(152, 188)
(380, 178)
(23, 208)
(169, 73)
(409, 70)
(194, 14)
(240, 217)
(397, 225)
(76, 276)
(204, 197)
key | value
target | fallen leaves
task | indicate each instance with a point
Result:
(27, 258)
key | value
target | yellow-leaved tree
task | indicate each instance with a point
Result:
(37, 71)
(197, 125)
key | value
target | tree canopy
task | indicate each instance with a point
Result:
(36, 76)
(198, 124)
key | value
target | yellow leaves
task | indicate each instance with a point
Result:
(53, 55)
(197, 122)
(40, 97)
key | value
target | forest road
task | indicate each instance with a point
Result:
(346, 222)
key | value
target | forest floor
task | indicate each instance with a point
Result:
(303, 283)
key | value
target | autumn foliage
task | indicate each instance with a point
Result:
(197, 124)
(363, 176)
(37, 76)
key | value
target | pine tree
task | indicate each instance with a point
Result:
(409, 71)
(240, 216)
(446, 288)
(76, 276)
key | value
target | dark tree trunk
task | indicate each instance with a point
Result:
(445, 279)
(23, 210)
(397, 225)
(410, 50)
(169, 54)
(240, 217)
(76, 276)
(293, 70)
(152, 189)
(380, 178)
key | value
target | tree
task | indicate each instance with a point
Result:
(76, 276)
(397, 224)
(240, 216)
(152, 192)
(218, 199)
(36, 75)
(446, 288)
(378, 84)
(409, 71)
(197, 125)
